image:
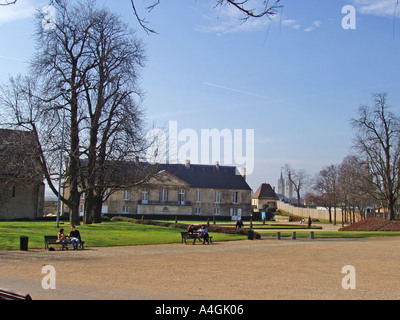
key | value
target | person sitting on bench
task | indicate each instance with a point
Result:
(191, 232)
(75, 237)
(203, 233)
(61, 238)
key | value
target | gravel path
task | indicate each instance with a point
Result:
(241, 270)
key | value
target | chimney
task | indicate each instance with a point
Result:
(187, 164)
(136, 160)
(217, 164)
(244, 173)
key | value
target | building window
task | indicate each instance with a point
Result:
(197, 211)
(216, 211)
(181, 197)
(198, 196)
(145, 196)
(105, 194)
(235, 197)
(217, 196)
(127, 194)
(13, 192)
(164, 195)
(81, 209)
(236, 213)
(125, 209)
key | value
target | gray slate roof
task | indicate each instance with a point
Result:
(196, 175)
(208, 176)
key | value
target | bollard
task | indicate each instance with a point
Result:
(278, 236)
(250, 234)
(23, 243)
(312, 234)
(294, 235)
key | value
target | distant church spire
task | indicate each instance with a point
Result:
(281, 185)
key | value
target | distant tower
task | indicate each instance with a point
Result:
(281, 185)
(289, 190)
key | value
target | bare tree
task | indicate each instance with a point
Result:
(326, 184)
(86, 68)
(298, 178)
(378, 143)
(114, 123)
(352, 187)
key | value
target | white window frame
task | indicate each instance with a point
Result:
(181, 197)
(217, 211)
(197, 211)
(127, 195)
(235, 213)
(164, 195)
(105, 195)
(125, 209)
(217, 198)
(235, 199)
(145, 196)
(198, 196)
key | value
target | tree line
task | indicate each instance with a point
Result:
(369, 177)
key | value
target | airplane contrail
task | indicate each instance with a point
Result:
(11, 58)
(247, 93)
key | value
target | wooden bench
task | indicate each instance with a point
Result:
(11, 295)
(53, 240)
(186, 236)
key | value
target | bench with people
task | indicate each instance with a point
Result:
(62, 239)
(196, 234)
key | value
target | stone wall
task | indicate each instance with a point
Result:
(309, 212)
(21, 201)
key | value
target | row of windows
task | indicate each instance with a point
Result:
(181, 196)
(197, 211)
(234, 212)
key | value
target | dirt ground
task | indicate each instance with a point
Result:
(266, 269)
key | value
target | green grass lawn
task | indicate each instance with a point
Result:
(96, 235)
(120, 233)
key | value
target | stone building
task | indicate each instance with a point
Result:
(264, 197)
(185, 190)
(21, 187)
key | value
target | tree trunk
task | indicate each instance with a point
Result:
(89, 207)
(74, 154)
(98, 208)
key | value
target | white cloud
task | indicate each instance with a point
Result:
(316, 24)
(292, 23)
(289, 22)
(382, 8)
(21, 10)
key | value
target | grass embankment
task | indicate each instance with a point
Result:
(105, 234)
(373, 227)
(330, 234)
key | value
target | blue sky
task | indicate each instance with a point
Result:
(296, 80)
